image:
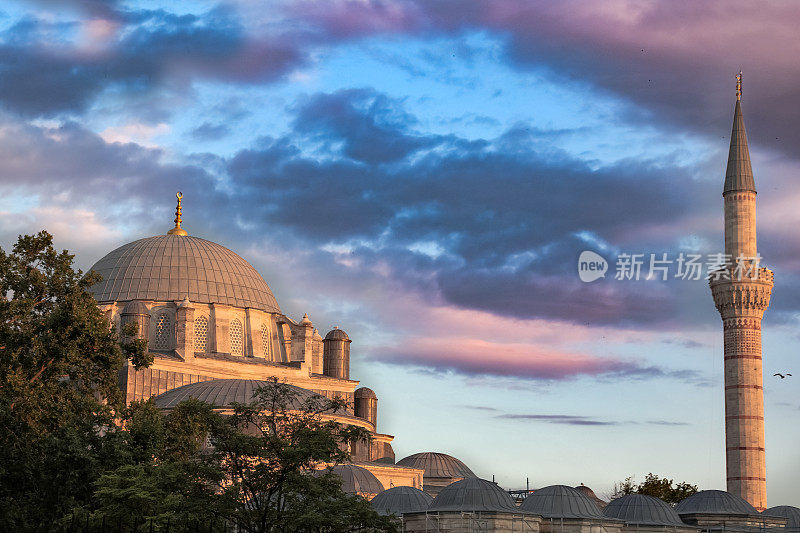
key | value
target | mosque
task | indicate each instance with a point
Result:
(217, 333)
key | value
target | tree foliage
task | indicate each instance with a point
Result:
(653, 485)
(59, 364)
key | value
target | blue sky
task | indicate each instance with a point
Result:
(425, 175)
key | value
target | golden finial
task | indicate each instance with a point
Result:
(739, 85)
(177, 230)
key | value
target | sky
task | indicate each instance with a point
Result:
(425, 174)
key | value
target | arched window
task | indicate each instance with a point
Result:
(266, 340)
(201, 334)
(237, 337)
(164, 332)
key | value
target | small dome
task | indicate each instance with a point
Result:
(173, 267)
(337, 334)
(357, 480)
(222, 393)
(715, 502)
(399, 500)
(589, 493)
(473, 494)
(135, 307)
(437, 465)
(785, 511)
(365, 392)
(643, 510)
(560, 501)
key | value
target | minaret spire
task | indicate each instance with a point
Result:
(741, 292)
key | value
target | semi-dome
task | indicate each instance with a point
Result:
(222, 393)
(715, 502)
(135, 307)
(437, 465)
(560, 501)
(644, 510)
(337, 334)
(357, 480)
(785, 511)
(174, 267)
(399, 500)
(365, 392)
(473, 494)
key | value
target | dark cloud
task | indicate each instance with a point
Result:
(150, 50)
(210, 132)
(576, 420)
(369, 126)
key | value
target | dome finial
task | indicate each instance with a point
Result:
(739, 85)
(177, 230)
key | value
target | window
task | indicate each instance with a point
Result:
(201, 334)
(237, 337)
(266, 340)
(163, 332)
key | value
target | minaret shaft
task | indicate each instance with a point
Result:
(741, 300)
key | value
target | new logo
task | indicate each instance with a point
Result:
(591, 266)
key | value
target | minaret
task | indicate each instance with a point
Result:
(741, 292)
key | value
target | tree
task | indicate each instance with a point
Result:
(59, 364)
(254, 468)
(653, 485)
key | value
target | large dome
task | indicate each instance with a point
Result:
(400, 500)
(173, 267)
(473, 494)
(715, 502)
(437, 465)
(641, 509)
(223, 393)
(560, 501)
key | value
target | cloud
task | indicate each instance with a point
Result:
(577, 420)
(149, 50)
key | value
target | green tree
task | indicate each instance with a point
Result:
(653, 485)
(59, 364)
(254, 467)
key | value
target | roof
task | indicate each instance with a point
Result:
(173, 267)
(560, 501)
(437, 465)
(739, 174)
(222, 393)
(589, 493)
(785, 511)
(641, 509)
(399, 500)
(474, 494)
(357, 479)
(365, 392)
(715, 502)
(337, 334)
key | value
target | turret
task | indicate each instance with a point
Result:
(336, 354)
(136, 312)
(366, 405)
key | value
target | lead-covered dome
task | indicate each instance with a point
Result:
(222, 393)
(399, 500)
(785, 511)
(358, 480)
(715, 502)
(472, 495)
(640, 509)
(560, 501)
(437, 465)
(174, 267)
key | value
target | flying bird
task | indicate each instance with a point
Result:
(781, 375)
